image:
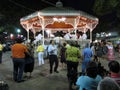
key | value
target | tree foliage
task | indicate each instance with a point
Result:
(118, 10)
(108, 11)
(1, 29)
(102, 7)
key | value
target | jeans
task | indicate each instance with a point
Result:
(40, 58)
(84, 64)
(18, 68)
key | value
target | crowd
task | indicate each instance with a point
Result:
(92, 75)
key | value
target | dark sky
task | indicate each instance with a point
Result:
(84, 5)
(16, 9)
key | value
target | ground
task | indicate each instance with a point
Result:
(41, 79)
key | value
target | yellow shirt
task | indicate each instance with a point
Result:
(40, 48)
(1, 47)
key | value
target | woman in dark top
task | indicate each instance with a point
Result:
(99, 51)
(63, 56)
(29, 62)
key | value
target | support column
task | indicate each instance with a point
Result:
(34, 33)
(75, 28)
(43, 27)
(90, 35)
(28, 33)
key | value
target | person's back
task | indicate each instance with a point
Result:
(91, 80)
(87, 53)
(88, 83)
(72, 54)
(1, 50)
(18, 56)
(40, 48)
(1, 47)
(18, 50)
(114, 68)
(108, 84)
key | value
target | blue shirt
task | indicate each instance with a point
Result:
(88, 83)
(87, 53)
(52, 50)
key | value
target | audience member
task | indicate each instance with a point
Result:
(114, 68)
(91, 79)
(110, 54)
(63, 55)
(52, 50)
(18, 56)
(72, 58)
(29, 61)
(40, 50)
(1, 51)
(108, 84)
(87, 54)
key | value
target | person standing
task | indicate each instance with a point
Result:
(114, 68)
(99, 51)
(40, 50)
(52, 50)
(111, 81)
(108, 84)
(72, 58)
(119, 50)
(62, 55)
(91, 79)
(18, 56)
(87, 54)
(110, 54)
(29, 61)
(1, 50)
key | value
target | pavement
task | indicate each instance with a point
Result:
(41, 79)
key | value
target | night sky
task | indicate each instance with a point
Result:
(16, 9)
(34, 5)
(20, 8)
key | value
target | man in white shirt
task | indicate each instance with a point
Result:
(52, 50)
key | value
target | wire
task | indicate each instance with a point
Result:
(48, 2)
(20, 5)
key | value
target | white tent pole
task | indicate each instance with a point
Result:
(75, 27)
(27, 33)
(34, 34)
(43, 27)
(90, 35)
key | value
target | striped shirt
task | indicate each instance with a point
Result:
(116, 77)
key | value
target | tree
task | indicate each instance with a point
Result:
(102, 7)
(1, 29)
